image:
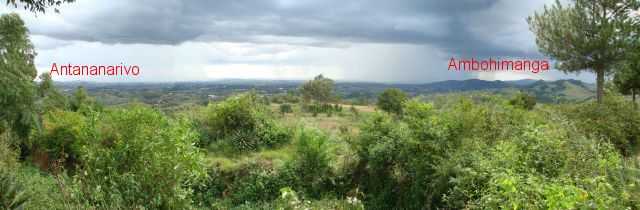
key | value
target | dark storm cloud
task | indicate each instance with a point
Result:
(443, 24)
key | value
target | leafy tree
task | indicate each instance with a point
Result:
(627, 79)
(585, 35)
(38, 5)
(391, 100)
(319, 89)
(17, 72)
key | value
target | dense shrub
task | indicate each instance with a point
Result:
(139, 158)
(318, 108)
(380, 168)
(8, 159)
(12, 193)
(475, 155)
(63, 136)
(310, 168)
(285, 108)
(258, 185)
(391, 100)
(615, 121)
(244, 123)
(523, 100)
(208, 190)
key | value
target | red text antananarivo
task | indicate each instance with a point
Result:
(94, 70)
(534, 66)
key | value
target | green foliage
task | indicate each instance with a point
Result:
(311, 164)
(12, 193)
(290, 200)
(139, 158)
(354, 111)
(259, 185)
(319, 89)
(380, 169)
(285, 108)
(81, 102)
(616, 121)
(50, 191)
(244, 123)
(50, 98)
(391, 100)
(523, 100)
(317, 108)
(209, 189)
(483, 155)
(17, 72)
(627, 78)
(8, 159)
(63, 137)
(38, 5)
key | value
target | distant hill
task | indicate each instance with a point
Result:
(201, 92)
(522, 82)
(562, 90)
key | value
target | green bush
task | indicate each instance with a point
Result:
(140, 159)
(285, 108)
(261, 184)
(310, 168)
(63, 136)
(472, 155)
(245, 124)
(380, 169)
(523, 100)
(391, 100)
(12, 193)
(210, 189)
(615, 121)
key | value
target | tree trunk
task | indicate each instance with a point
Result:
(599, 84)
(633, 98)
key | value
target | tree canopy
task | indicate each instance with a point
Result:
(391, 100)
(17, 72)
(586, 35)
(627, 79)
(38, 5)
(319, 89)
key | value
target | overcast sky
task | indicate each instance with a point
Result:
(409, 41)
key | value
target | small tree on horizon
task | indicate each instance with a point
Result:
(319, 89)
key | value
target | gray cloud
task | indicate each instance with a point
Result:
(445, 24)
(379, 40)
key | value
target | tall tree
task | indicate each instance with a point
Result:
(17, 71)
(38, 5)
(627, 78)
(319, 89)
(585, 35)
